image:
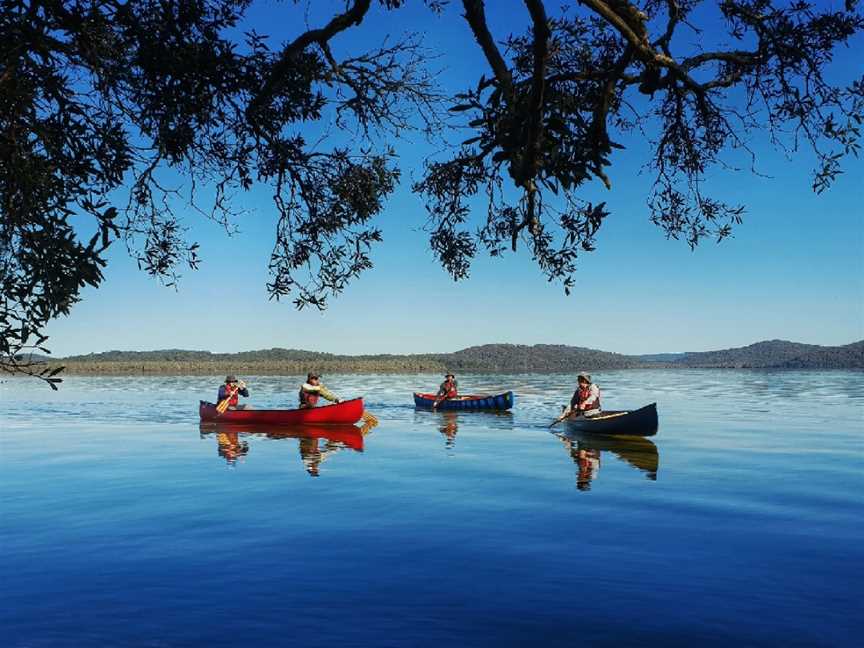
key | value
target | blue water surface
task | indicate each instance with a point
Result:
(125, 523)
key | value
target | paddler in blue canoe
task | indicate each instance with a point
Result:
(232, 389)
(312, 389)
(448, 389)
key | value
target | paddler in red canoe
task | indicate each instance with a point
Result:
(312, 389)
(232, 389)
(448, 389)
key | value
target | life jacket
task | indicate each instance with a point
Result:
(307, 398)
(450, 388)
(227, 390)
(585, 393)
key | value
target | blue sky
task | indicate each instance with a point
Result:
(793, 270)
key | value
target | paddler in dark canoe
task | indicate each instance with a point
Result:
(585, 401)
(584, 414)
(586, 398)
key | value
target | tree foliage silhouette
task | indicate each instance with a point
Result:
(169, 104)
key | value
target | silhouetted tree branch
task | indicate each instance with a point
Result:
(161, 100)
(541, 124)
(159, 97)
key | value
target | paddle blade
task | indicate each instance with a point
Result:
(368, 417)
(369, 422)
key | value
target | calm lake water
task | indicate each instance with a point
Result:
(125, 524)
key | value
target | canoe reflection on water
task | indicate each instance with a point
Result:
(587, 452)
(448, 422)
(316, 442)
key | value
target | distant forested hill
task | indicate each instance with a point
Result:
(850, 356)
(518, 358)
(489, 358)
(780, 354)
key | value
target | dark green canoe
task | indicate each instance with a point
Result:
(640, 422)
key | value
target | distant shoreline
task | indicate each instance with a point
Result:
(256, 371)
(489, 358)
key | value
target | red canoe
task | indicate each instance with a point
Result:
(340, 413)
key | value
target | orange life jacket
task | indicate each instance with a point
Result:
(227, 390)
(450, 389)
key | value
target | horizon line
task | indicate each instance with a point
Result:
(427, 353)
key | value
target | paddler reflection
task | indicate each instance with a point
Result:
(449, 428)
(231, 447)
(448, 423)
(312, 455)
(587, 451)
(316, 442)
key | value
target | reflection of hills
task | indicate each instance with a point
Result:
(232, 445)
(586, 450)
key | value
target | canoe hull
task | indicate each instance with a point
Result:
(347, 412)
(497, 402)
(640, 422)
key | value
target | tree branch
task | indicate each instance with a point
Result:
(339, 23)
(475, 14)
(535, 105)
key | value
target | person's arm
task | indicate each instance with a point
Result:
(574, 402)
(441, 395)
(242, 389)
(326, 393)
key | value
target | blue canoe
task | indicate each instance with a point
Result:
(466, 403)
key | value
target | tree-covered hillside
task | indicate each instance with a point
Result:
(488, 358)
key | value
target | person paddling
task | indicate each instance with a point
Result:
(312, 389)
(448, 389)
(585, 400)
(232, 389)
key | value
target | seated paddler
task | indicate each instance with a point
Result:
(448, 389)
(586, 398)
(312, 390)
(232, 389)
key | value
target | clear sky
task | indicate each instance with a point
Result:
(793, 270)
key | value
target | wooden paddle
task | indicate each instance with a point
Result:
(369, 419)
(564, 414)
(438, 400)
(223, 404)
